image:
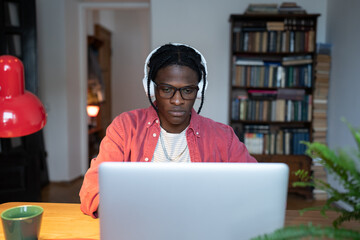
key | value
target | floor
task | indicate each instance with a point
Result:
(62, 192)
(68, 192)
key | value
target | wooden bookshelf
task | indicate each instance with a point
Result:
(272, 84)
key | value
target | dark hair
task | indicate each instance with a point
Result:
(170, 54)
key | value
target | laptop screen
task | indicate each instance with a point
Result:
(162, 201)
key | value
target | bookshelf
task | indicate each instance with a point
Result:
(272, 82)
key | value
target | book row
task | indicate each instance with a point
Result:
(285, 141)
(300, 24)
(272, 74)
(279, 110)
(273, 41)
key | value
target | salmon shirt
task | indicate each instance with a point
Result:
(133, 136)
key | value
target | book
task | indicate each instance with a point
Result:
(291, 8)
(263, 94)
(261, 8)
(254, 142)
(275, 26)
(296, 60)
(320, 195)
(323, 58)
(323, 49)
(292, 94)
(280, 110)
(251, 62)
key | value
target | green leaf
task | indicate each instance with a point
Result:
(316, 232)
(344, 166)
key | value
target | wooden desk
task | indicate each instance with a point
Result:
(61, 221)
(66, 221)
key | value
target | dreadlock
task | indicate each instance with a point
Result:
(170, 54)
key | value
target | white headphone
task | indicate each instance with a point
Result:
(152, 86)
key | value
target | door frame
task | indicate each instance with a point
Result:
(82, 8)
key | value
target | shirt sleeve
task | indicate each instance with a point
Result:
(111, 150)
(238, 151)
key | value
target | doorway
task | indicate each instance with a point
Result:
(130, 27)
(98, 87)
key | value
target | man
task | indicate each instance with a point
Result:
(170, 129)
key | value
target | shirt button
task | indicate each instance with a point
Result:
(146, 159)
(197, 133)
(149, 123)
(157, 121)
(154, 134)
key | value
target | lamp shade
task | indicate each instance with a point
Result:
(92, 110)
(21, 112)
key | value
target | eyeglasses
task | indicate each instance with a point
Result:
(168, 91)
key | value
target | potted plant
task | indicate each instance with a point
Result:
(345, 167)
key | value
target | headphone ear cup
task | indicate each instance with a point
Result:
(201, 86)
(152, 87)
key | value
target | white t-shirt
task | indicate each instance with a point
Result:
(172, 144)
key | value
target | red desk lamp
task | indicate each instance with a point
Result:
(21, 112)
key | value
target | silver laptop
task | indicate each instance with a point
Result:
(191, 201)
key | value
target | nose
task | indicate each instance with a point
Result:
(177, 98)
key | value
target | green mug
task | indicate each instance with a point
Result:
(22, 222)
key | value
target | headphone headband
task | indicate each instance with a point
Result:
(152, 87)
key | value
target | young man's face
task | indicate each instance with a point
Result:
(174, 112)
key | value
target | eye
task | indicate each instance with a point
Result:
(188, 90)
(166, 89)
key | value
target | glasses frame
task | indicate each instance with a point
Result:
(177, 89)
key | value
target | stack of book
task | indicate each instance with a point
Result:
(322, 76)
(261, 8)
(319, 173)
(291, 8)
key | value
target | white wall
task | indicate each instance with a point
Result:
(75, 109)
(107, 18)
(59, 86)
(52, 84)
(204, 24)
(131, 45)
(344, 97)
(62, 75)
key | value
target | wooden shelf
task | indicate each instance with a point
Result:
(258, 62)
(261, 17)
(293, 123)
(269, 88)
(271, 56)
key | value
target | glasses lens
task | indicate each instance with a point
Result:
(167, 91)
(189, 92)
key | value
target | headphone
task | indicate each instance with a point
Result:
(152, 85)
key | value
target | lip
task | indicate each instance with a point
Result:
(176, 113)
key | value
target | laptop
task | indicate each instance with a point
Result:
(191, 201)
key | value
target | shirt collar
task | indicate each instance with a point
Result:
(195, 123)
(152, 118)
